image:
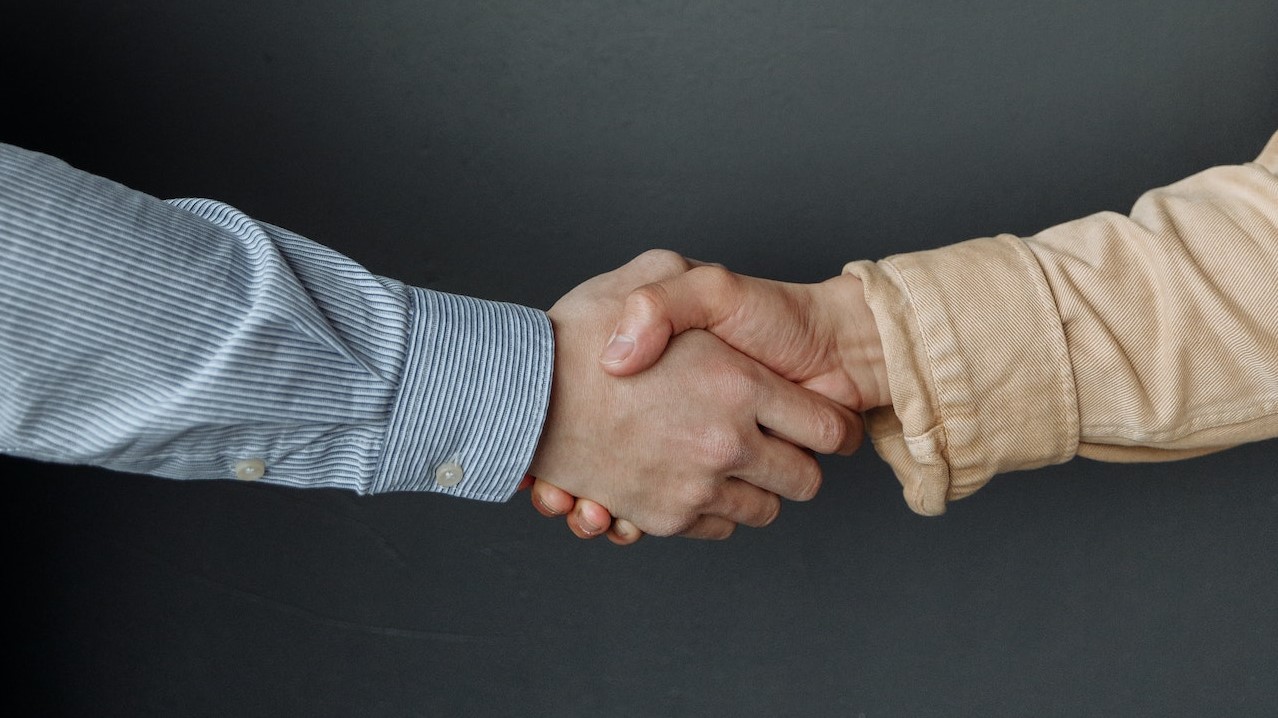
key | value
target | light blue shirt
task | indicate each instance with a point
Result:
(185, 339)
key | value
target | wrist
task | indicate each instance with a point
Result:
(859, 344)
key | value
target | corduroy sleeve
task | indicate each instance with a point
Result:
(1146, 337)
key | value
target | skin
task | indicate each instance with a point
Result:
(703, 439)
(820, 336)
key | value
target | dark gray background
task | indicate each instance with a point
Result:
(510, 150)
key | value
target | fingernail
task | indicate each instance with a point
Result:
(586, 526)
(549, 509)
(622, 528)
(619, 347)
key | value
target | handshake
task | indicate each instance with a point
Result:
(675, 431)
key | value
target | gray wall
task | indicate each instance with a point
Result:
(511, 149)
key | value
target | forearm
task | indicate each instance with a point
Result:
(1125, 338)
(1170, 315)
(181, 339)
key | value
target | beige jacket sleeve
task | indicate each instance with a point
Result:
(1142, 338)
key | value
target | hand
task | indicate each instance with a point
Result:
(694, 446)
(821, 336)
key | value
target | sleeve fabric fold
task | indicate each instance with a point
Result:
(1147, 337)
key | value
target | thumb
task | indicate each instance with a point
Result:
(700, 298)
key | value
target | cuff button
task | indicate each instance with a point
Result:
(449, 474)
(250, 469)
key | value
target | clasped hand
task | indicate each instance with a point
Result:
(710, 395)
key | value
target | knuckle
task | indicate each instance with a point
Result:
(723, 449)
(683, 523)
(752, 507)
(697, 495)
(716, 279)
(663, 527)
(709, 529)
(647, 300)
(830, 430)
(676, 514)
(663, 261)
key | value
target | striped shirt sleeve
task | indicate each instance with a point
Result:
(184, 339)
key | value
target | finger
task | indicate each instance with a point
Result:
(550, 500)
(588, 519)
(744, 503)
(779, 467)
(697, 299)
(526, 482)
(713, 528)
(593, 517)
(624, 533)
(807, 419)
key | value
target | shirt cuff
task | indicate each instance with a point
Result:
(978, 367)
(472, 399)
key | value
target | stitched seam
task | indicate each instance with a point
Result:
(1065, 376)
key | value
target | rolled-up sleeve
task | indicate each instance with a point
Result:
(184, 339)
(1146, 337)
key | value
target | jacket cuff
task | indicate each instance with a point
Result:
(472, 399)
(979, 371)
